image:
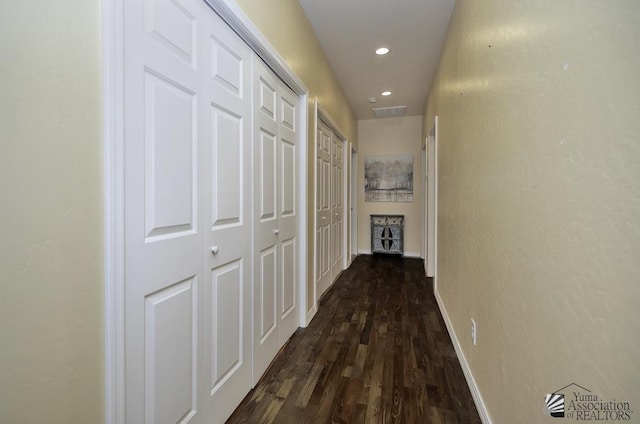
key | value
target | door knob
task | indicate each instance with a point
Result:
(276, 231)
(215, 250)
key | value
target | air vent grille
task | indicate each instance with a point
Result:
(388, 112)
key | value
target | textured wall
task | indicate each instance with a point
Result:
(51, 278)
(390, 137)
(539, 197)
(286, 27)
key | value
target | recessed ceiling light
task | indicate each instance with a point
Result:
(372, 100)
(386, 93)
(382, 51)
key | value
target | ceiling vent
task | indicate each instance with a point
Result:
(388, 112)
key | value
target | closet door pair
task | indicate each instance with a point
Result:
(276, 120)
(210, 222)
(330, 235)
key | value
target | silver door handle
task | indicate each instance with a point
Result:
(336, 213)
(324, 217)
(215, 250)
(276, 231)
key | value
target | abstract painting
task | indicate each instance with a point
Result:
(388, 178)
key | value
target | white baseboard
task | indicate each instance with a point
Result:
(473, 387)
(364, 252)
(312, 313)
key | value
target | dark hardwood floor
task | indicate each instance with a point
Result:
(376, 352)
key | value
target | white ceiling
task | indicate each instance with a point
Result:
(350, 31)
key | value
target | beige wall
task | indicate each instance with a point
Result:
(51, 270)
(286, 27)
(386, 137)
(539, 213)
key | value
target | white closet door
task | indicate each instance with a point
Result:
(266, 225)
(275, 215)
(337, 207)
(330, 234)
(163, 212)
(227, 180)
(288, 213)
(323, 209)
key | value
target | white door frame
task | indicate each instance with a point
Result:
(353, 169)
(423, 208)
(346, 203)
(113, 150)
(432, 202)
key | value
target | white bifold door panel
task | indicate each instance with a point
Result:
(164, 273)
(329, 208)
(337, 207)
(226, 175)
(275, 215)
(323, 208)
(205, 175)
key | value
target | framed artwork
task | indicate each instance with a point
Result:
(388, 178)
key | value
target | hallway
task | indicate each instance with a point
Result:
(528, 129)
(376, 352)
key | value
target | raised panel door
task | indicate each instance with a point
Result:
(163, 154)
(266, 217)
(227, 322)
(323, 208)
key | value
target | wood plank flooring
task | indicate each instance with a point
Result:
(376, 352)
